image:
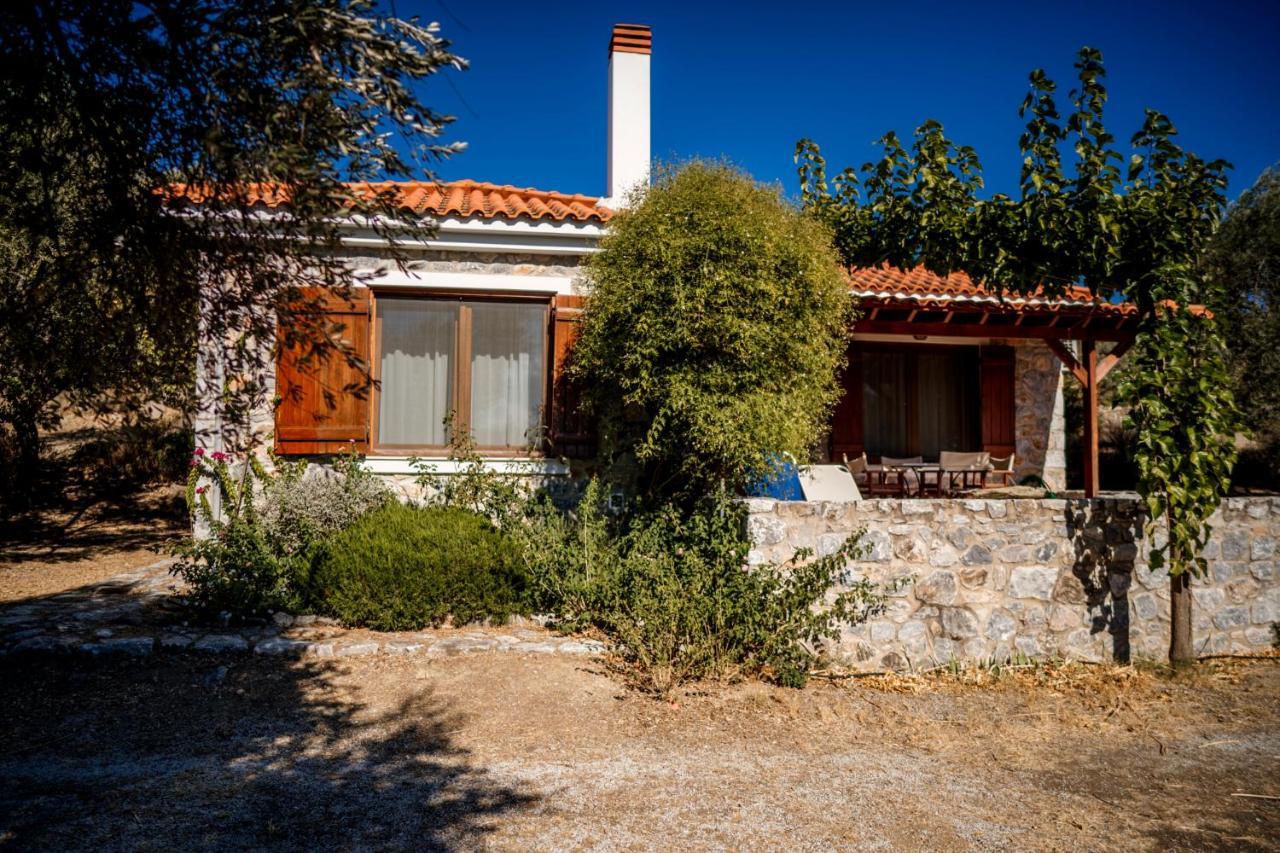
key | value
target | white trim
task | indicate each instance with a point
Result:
(529, 467)
(541, 237)
(489, 282)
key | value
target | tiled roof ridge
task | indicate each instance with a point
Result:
(462, 198)
(919, 284)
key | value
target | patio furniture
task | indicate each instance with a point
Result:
(970, 469)
(1002, 471)
(898, 476)
(828, 483)
(857, 467)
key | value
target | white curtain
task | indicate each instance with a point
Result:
(507, 352)
(418, 337)
(884, 402)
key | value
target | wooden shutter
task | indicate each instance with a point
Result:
(572, 433)
(998, 421)
(325, 401)
(846, 421)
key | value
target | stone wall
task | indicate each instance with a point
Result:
(1039, 414)
(975, 579)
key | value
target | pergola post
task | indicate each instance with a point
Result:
(1090, 370)
(1089, 355)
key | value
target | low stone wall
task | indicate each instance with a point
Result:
(971, 580)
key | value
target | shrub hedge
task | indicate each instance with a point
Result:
(404, 568)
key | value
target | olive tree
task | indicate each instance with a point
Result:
(715, 328)
(138, 144)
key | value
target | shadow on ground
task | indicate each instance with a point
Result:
(186, 752)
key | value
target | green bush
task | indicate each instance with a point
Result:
(716, 326)
(235, 571)
(297, 510)
(405, 568)
(673, 588)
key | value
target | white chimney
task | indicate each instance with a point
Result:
(629, 51)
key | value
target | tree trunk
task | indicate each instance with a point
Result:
(26, 451)
(1180, 651)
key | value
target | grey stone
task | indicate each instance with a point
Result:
(830, 543)
(1046, 552)
(914, 637)
(1263, 612)
(130, 646)
(304, 620)
(997, 509)
(176, 642)
(977, 555)
(1001, 627)
(284, 620)
(1208, 598)
(882, 631)
(1014, 554)
(878, 548)
(1257, 509)
(917, 507)
(320, 650)
(43, 644)
(938, 588)
(1028, 646)
(759, 505)
(959, 623)
(1259, 638)
(575, 648)
(944, 650)
(220, 644)
(281, 646)
(1235, 546)
(766, 530)
(1145, 606)
(960, 537)
(1231, 617)
(1263, 571)
(1262, 548)
(974, 577)
(1033, 582)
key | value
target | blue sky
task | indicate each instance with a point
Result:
(746, 80)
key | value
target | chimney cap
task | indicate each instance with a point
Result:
(631, 38)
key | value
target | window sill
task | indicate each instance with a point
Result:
(520, 465)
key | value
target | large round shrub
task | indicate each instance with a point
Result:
(716, 325)
(403, 568)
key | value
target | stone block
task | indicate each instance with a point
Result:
(1001, 627)
(830, 543)
(974, 577)
(959, 623)
(1145, 606)
(1263, 612)
(1014, 554)
(1263, 571)
(977, 555)
(997, 509)
(1070, 589)
(1235, 546)
(911, 507)
(1033, 582)
(1208, 598)
(914, 637)
(766, 530)
(943, 555)
(1262, 548)
(759, 505)
(938, 588)
(1229, 618)
(1028, 646)
(881, 631)
(877, 547)
(221, 644)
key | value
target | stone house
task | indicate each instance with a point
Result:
(483, 322)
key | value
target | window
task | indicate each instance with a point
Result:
(483, 359)
(920, 401)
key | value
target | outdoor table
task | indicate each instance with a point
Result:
(921, 468)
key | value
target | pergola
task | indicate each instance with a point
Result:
(919, 304)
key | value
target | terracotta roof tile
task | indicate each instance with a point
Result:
(463, 199)
(921, 287)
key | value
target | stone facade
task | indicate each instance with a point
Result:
(1038, 414)
(972, 580)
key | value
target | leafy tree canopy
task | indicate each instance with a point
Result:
(715, 329)
(1132, 227)
(1244, 259)
(105, 102)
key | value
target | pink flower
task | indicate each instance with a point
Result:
(219, 456)
(199, 490)
(195, 464)
(199, 451)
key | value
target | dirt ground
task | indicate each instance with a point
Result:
(546, 752)
(58, 548)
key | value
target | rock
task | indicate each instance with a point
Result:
(975, 577)
(221, 644)
(1262, 548)
(912, 549)
(977, 555)
(575, 648)
(1001, 627)
(961, 537)
(284, 620)
(175, 642)
(281, 646)
(1263, 571)
(1033, 582)
(1145, 606)
(830, 543)
(765, 529)
(320, 650)
(358, 649)
(1263, 612)
(44, 644)
(1014, 554)
(130, 646)
(914, 637)
(916, 507)
(877, 547)
(944, 651)
(959, 623)
(1028, 646)
(1235, 546)
(893, 661)
(1207, 598)
(304, 620)
(997, 509)
(937, 588)
(759, 505)
(943, 555)
(1231, 617)
(882, 631)
(1070, 589)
